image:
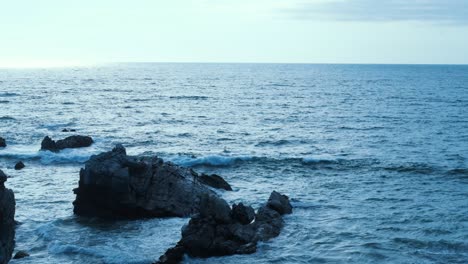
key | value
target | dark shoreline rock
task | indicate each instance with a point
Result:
(19, 165)
(219, 231)
(2, 142)
(76, 141)
(7, 221)
(115, 185)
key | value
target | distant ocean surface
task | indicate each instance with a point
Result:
(374, 157)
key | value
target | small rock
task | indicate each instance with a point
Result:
(68, 130)
(215, 181)
(279, 203)
(21, 254)
(76, 141)
(2, 142)
(19, 165)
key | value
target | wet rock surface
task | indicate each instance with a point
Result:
(7, 221)
(115, 185)
(19, 165)
(21, 254)
(76, 141)
(215, 181)
(2, 142)
(219, 230)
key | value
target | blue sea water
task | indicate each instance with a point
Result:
(374, 157)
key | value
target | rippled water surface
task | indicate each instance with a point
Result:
(374, 157)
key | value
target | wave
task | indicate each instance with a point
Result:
(189, 97)
(273, 143)
(211, 160)
(8, 94)
(419, 168)
(7, 118)
(66, 156)
(108, 253)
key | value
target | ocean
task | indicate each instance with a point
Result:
(373, 157)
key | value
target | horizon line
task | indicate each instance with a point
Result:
(44, 65)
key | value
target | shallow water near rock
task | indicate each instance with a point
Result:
(374, 157)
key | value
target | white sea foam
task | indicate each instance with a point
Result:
(21, 152)
(210, 160)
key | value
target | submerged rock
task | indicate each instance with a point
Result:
(215, 232)
(21, 254)
(68, 142)
(68, 130)
(2, 142)
(7, 221)
(215, 181)
(113, 184)
(19, 165)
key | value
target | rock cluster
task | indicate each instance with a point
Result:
(115, 185)
(219, 230)
(7, 221)
(68, 142)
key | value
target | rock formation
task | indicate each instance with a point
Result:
(7, 221)
(68, 142)
(113, 184)
(219, 230)
(19, 165)
(2, 142)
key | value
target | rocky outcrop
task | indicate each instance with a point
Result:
(68, 142)
(113, 184)
(2, 142)
(219, 230)
(19, 165)
(7, 221)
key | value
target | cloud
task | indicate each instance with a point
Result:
(440, 11)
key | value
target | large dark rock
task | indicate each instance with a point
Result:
(2, 142)
(68, 142)
(113, 184)
(7, 221)
(215, 181)
(215, 232)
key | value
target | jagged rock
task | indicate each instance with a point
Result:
(207, 234)
(68, 142)
(244, 214)
(19, 165)
(113, 184)
(215, 181)
(2, 142)
(21, 254)
(279, 203)
(7, 221)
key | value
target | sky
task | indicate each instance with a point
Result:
(57, 32)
